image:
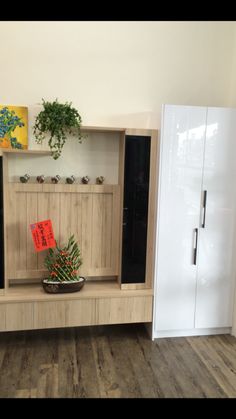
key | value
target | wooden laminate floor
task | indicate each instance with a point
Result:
(115, 362)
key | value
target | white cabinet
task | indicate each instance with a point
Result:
(195, 246)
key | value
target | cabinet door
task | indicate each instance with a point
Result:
(182, 147)
(216, 241)
(135, 211)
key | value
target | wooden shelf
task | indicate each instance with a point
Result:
(91, 289)
(101, 129)
(15, 151)
(62, 187)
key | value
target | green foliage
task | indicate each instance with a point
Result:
(63, 263)
(59, 120)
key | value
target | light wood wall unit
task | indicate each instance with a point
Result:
(121, 183)
(2, 317)
(124, 310)
(6, 219)
(69, 313)
(29, 307)
(19, 316)
(152, 206)
(5, 151)
(94, 214)
(91, 212)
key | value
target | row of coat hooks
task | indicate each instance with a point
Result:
(55, 179)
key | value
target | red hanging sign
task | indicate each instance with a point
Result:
(43, 236)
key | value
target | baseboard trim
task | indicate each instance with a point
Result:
(192, 332)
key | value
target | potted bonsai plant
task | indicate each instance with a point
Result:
(58, 120)
(63, 266)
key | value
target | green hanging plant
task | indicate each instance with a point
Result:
(59, 120)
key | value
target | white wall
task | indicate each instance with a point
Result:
(96, 156)
(232, 86)
(115, 73)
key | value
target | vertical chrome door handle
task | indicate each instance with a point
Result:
(195, 246)
(204, 209)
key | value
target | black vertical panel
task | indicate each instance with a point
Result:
(1, 228)
(135, 208)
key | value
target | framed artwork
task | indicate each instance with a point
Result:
(13, 127)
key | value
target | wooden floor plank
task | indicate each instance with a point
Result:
(11, 365)
(206, 350)
(204, 383)
(86, 365)
(118, 342)
(44, 366)
(4, 346)
(67, 363)
(148, 384)
(24, 381)
(164, 374)
(105, 366)
(117, 361)
(26, 393)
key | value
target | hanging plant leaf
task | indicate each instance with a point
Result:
(59, 120)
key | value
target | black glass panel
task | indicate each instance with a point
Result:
(1, 228)
(135, 209)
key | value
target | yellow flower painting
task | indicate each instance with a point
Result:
(13, 127)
